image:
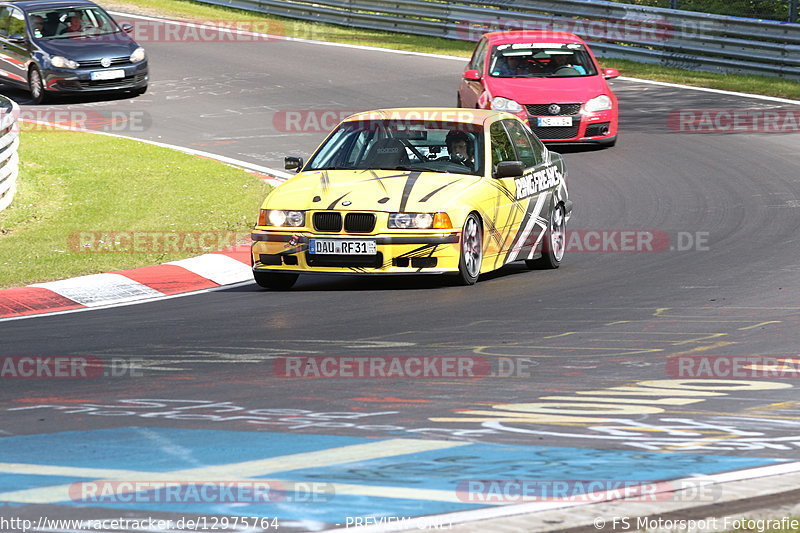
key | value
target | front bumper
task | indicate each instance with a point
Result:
(79, 80)
(586, 127)
(407, 253)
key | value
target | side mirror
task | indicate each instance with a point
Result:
(293, 163)
(472, 75)
(17, 38)
(610, 73)
(127, 28)
(509, 169)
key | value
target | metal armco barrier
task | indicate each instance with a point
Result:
(683, 39)
(9, 142)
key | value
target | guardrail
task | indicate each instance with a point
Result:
(684, 39)
(9, 158)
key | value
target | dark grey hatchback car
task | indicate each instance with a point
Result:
(68, 46)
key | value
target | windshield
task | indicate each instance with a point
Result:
(402, 145)
(71, 22)
(540, 60)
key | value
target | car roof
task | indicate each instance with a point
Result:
(510, 37)
(432, 114)
(36, 5)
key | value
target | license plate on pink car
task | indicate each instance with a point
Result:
(553, 121)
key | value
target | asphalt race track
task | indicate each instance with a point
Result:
(191, 387)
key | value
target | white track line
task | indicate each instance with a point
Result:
(525, 508)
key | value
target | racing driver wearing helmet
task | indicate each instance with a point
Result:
(459, 148)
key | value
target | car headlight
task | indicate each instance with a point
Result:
(505, 104)
(419, 221)
(280, 218)
(63, 62)
(138, 55)
(598, 103)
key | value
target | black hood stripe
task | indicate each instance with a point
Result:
(333, 204)
(412, 179)
(430, 194)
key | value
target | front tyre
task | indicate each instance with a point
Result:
(471, 256)
(275, 280)
(36, 84)
(554, 241)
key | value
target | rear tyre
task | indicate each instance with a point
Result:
(553, 243)
(458, 100)
(275, 280)
(469, 264)
(36, 84)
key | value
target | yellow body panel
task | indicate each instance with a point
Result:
(513, 223)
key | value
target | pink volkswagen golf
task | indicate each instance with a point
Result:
(550, 79)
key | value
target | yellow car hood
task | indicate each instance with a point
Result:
(370, 190)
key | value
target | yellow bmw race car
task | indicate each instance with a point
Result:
(423, 191)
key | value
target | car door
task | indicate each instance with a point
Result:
(534, 190)
(501, 211)
(471, 89)
(14, 53)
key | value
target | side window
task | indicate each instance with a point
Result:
(478, 57)
(5, 19)
(502, 149)
(16, 23)
(539, 149)
(522, 143)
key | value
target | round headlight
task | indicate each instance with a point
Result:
(277, 217)
(402, 220)
(294, 218)
(423, 220)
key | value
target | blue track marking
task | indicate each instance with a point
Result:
(399, 483)
(12, 482)
(443, 469)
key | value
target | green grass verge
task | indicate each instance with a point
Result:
(189, 9)
(74, 184)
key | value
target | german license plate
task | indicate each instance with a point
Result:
(554, 121)
(108, 74)
(341, 247)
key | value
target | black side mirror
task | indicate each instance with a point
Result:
(293, 163)
(17, 38)
(127, 28)
(509, 169)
